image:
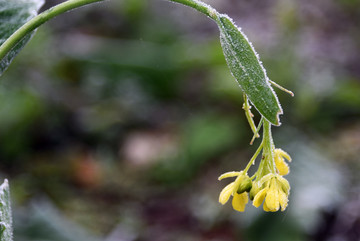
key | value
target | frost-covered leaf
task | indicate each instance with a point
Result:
(243, 62)
(14, 14)
(5, 213)
(247, 69)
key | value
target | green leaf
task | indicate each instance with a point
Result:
(5, 213)
(243, 62)
(247, 69)
(14, 14)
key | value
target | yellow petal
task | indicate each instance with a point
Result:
(272, 199)
(226, 193)
(239, 201)
(283, 153)
(259, 197)
(266, 209)
(281, 166)
(283, 200)
(228, 174)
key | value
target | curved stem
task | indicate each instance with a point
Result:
(200, 6)
(39, 20)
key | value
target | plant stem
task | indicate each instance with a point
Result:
(252, 160)
(281, 88)
(249, 115)
(268, 147)
(200, 6)
(35, 22)
(257, 130)
(267, 164)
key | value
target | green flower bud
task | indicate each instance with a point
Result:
(245, 185)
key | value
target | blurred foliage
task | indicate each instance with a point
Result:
(202, 138)
(120, 117)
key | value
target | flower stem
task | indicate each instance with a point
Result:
(252, 160)
(268, 146)
(267, 164)
(35, 22)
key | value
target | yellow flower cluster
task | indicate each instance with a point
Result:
(271, 189)
(238, 189)
(275, 191)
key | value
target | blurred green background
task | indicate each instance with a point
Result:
(117, 119)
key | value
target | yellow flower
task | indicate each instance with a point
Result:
(281, 165)
(275, 193)
(238, 189)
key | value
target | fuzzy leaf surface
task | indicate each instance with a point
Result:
(243, 62)
(14, 14)
(5, 213)
(247, 69)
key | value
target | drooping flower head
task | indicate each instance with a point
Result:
(266, 186)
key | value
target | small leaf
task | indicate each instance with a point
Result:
(14, 14)
(247, 69)
(243, 63)
(5, 213)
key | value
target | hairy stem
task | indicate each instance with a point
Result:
(268, 147)
(281, 88)
(200, 6)
(39, 20)
(267, 164)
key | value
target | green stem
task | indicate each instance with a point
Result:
(39, 20)
(268, 147)
(267, 164)
(249, 116)
(200, 6)
(281, 88)
(257, 130)
(252, 160)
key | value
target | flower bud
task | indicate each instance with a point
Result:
(245, 185)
